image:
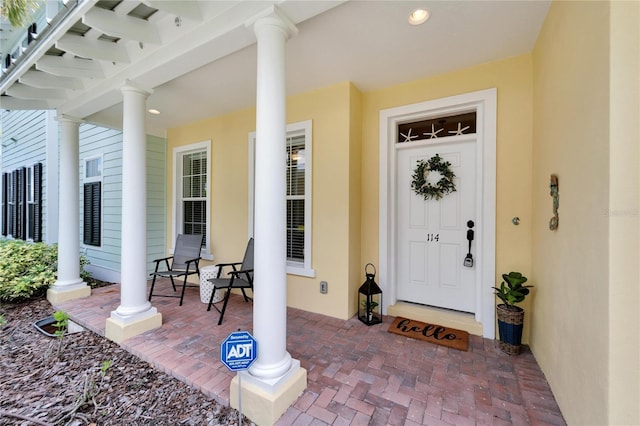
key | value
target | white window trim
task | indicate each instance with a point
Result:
(92, 179)
(293, 268)
(177, 192)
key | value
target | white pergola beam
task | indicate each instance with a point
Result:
(94, 49)
(45, 80)
(70, 67)
(125, 27)
(23, 91)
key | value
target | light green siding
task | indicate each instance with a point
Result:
(107, 143)
(24, 143)
(156, 198)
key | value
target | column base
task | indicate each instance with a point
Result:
(57, 295)
(264, 403)
(119, 329)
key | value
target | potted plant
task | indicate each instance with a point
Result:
(511, 317)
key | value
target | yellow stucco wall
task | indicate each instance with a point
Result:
(583, 339)
(330, 110)
(229, 179)
(512, 78)
(335, 212)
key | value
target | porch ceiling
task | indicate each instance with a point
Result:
(199, 57)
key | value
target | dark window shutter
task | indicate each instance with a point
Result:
(37, 202)
(92, 213)
(5, 204)
(22, 203)
(14, 206)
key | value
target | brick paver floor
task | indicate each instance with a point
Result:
(357, 375)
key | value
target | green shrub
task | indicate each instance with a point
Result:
(28, 269)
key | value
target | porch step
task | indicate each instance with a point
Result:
(432, 315)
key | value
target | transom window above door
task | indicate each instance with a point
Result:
(437, 127)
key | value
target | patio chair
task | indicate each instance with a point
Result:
(236, 279)
(184, 262)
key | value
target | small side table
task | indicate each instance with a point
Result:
(206, 287)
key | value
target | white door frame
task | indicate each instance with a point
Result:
(484, 102)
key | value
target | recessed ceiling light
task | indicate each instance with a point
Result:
(418, 16)
(154, 111)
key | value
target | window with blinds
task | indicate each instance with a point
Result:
(298, 196)
(194, 193)
(295, 197)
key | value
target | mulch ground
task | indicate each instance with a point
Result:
(89, 380)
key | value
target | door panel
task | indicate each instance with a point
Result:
(432, 242)
(419, 259)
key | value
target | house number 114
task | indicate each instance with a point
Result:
(433, 237)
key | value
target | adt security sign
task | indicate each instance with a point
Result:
(238, 351)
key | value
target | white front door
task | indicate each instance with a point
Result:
(432, 234)
(395, 266)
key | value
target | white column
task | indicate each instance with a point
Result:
(69, 285)
(133, 297)
(69, 213)
(135, 314)
(270, 301)
(51, 214)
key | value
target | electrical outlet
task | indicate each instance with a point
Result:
(323, 287)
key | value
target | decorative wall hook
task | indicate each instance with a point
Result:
(553, 186)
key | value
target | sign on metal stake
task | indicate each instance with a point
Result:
(238, 351)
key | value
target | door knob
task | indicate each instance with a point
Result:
(468, 260)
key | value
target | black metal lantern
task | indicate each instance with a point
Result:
(370, 299)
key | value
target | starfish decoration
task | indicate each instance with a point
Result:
(434, 133)
(459, 131)
(408, 137)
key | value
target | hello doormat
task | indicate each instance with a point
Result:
(433, 333)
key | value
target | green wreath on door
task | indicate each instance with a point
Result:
(421, 185)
